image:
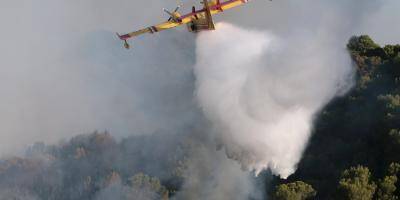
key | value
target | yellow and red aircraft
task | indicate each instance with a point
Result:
(196, 21)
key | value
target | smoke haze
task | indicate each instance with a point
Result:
(63, 72)
(258, 80)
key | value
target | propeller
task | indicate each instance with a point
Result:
(176, 10)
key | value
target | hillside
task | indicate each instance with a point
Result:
(353, 153)
(359, 130)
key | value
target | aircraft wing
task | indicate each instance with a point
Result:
(226, 5)
(217, 7)
(157, 28)
(213, 8)
(152, 29)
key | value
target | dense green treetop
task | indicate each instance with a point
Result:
(294, 191)
(356, 184)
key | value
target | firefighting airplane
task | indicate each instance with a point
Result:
(196, 21)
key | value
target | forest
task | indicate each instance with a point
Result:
(354, 152)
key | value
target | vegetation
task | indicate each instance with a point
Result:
(356, 184)
(355, 148)
(354, 153)
(95, 166)
(294, 191)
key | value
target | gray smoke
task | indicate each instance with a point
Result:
(210, 175)
(63, 72)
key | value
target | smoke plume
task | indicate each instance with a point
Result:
(261, 94)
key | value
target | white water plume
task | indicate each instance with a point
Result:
(261, 93)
